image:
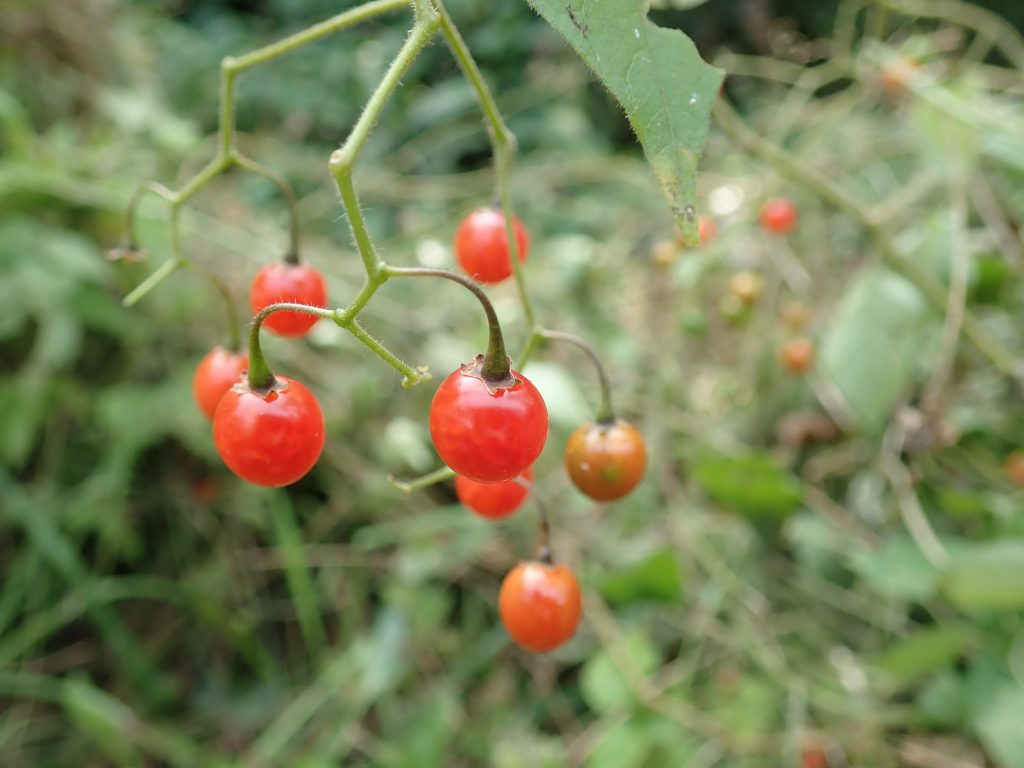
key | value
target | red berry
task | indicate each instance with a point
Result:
(540, 605)
(606, 461)
(813, 757)
(486, 435)
(778, 216)
(493, 501)
(481, 245)
(294, 283)
(797, 354)
(216, 374)
(270, 439)
(706, 229)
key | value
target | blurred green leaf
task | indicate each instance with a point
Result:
(923, 652)
(658, 77)
(603, 685)
(999, 727)
(655, 578)
(751, 485)
(874, 345)
(897, 569)
(943, 698)
(751, 711)
(622, 746)
(987, 576)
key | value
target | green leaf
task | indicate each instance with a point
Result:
(751, 485)
(943, 699)
(751, 711)
(987, 576)
(923, 652)
(999, 729)
(622, 746)
(657, 76)
(875, 343)
(897, 569)
(656, 578)
(603, 686)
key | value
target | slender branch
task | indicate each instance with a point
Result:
(343, 160)
(261, 379)
(790, 166)
(431, 478)
(503, 147)
(131, 214)
(248, 164)
(544, 553)
(412, 376)
(496, 362)
(160, 274)
(529, 347)
(605, 413)
(234, 337)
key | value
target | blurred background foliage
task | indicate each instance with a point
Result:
(826, 567)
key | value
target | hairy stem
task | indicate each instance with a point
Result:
(261, 379)
(496, 361)
(605, 413)
(250, 165)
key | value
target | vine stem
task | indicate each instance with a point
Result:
(294, 234)
(261, 379)
(343, 160)
(605, 413)
(235, 339)
(503, 147)
(497, 366)
(989, 346)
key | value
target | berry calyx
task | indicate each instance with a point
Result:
(481, 245)
(269, 437)
(797, 354)
(288, 283)
(540, 605)
(217, 372)
(778, 216)
(493, 501)
(488, 430)
(606, 460)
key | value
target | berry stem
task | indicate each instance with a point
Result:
(605, 413)
(544, 553)
(503, 145)
(431, 478)
(496, 366)
(261, 378)
(131, 213)
(292, 254)
(234, 337)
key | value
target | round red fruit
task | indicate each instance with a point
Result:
(292, 283)
(487, 432)
(494, 501)
(606, 461)
(481, 245)
(778, 216)
(540, 605)
(706, 229)
(270, 439)
(797, 354)
(216, 374)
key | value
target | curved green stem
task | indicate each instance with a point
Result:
(343, 160)
(234, 337)
(431, 478)
(131, 214)
(605, 413)
(248, 164)
(261, 378)
(497, 366)
(411, 375)
(160, 274)
(544, 553)
(503, 146)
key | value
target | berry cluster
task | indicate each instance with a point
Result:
(488, 423)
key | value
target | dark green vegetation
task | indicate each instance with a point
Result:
(777, 580)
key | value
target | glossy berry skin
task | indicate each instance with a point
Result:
(481, 245)
(606, 460)
(216, 373)
(797, 355)
(493, 501)
(778, 216)
(483, 435)
(540, 605)
(272, 439)
(294, 283)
